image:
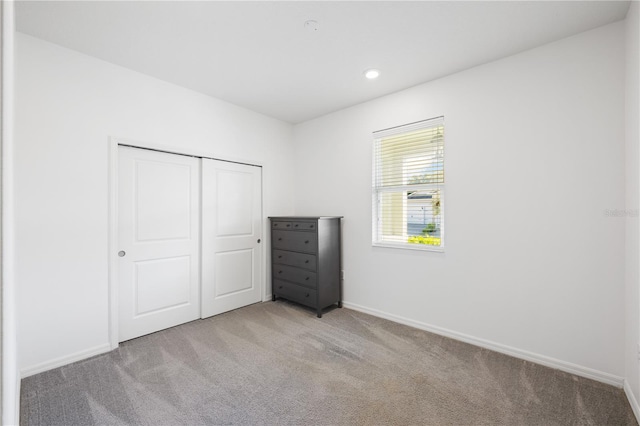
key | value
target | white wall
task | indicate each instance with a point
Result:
(534, 157)
(632, 184)
(68, 104)
(10, 375)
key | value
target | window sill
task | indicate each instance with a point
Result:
(415, 247)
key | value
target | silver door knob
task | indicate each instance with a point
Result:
(121, 253)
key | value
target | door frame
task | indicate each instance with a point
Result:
(112, 237)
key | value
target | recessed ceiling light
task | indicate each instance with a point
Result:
(371, 74)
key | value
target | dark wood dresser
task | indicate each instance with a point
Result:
(305, 260)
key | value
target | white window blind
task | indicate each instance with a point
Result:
(408, 186)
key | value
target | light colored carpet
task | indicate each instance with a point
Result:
(276, 363)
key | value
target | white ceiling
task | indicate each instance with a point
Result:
(259, 55)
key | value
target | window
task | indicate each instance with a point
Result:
(408, 186)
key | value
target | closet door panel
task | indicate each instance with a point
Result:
(231, 236)
(159, 241)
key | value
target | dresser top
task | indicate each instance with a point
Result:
(304, 217)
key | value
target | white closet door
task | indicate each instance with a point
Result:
(231, 233)
(159, 241)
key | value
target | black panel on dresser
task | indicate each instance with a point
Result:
(305, 260)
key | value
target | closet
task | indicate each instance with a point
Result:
(189, 239)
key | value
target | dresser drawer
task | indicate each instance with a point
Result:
(296, 275)
(280, 225)
(295, 241)
(294, 292)
(303, 226)
(300, 260)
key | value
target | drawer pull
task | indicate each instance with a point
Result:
(312, 226)
(280, 239)
(275, 224)
(288, 225)
(306, 279)
(307, 295)
(306, 242)
(280, 288)
(279, 272)
(306, 261)
(280, 257)
(296, 225)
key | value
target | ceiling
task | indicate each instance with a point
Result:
(259, 55)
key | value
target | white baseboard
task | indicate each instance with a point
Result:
(568, 367)
(64, 360)
(632, 400)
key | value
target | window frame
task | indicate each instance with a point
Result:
(377, 190)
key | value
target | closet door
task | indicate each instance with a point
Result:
(159, 241)
(231, 234)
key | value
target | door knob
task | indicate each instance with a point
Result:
(258, 240)
(121, 253)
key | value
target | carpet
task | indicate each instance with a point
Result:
(275, 363)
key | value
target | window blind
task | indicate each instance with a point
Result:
(408, 185)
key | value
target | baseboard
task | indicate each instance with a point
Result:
(568, 367)
(632, 400)
(64, 360)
